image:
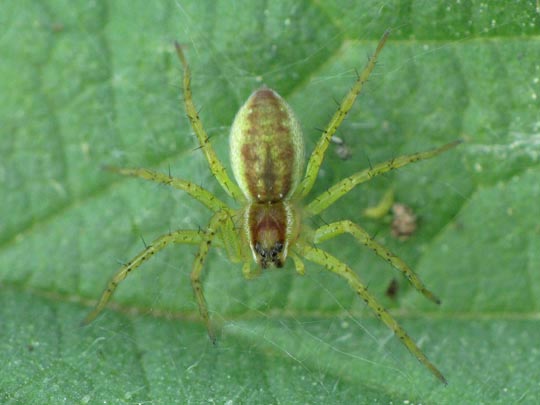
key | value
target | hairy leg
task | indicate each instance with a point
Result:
(217, 168)
(337, 228)
(200, 194)
(332, 264)
(206, 241)
(317, 156)
(338, 190)
(188, 237)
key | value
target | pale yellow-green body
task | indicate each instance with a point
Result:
(267, 148)
(267, 158)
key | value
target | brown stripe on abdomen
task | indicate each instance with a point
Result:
(267, 138)
(268, 151)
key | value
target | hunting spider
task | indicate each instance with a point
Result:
(267, 156)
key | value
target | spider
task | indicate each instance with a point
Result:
(267, 156)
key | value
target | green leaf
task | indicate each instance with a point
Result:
(88, 84)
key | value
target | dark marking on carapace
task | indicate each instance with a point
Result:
(268, 225)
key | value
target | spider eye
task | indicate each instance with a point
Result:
(260, 250)
(269, 255)
(276, 250)
(276, 254)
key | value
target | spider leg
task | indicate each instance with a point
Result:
(298, 264)
(217, 168)
(248, 272)
(337, 228)
(206, 241)
(317, 157)
(334, 265)
(229, 236)
(200, 194)
(181, 236)
(324, 200)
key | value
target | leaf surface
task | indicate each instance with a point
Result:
(89, 84)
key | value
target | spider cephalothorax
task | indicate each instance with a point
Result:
(267, 156)
(270, 229)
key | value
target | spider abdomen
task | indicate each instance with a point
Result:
(267, 148)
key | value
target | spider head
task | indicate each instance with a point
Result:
(269, 230)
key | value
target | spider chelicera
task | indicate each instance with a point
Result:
(267, 156)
